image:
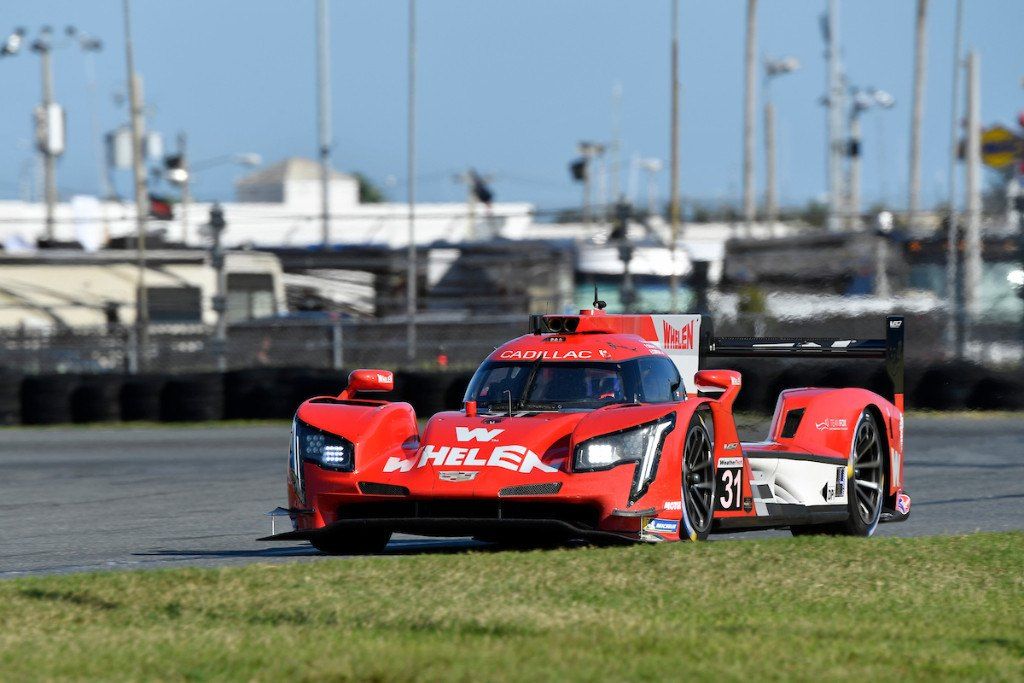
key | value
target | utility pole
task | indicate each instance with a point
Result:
(323, 89)
(673, 211)
(853, 203)
(920, 64)
(410, 297)
(835, 102)
(750, 97)
(141, 198)
(952, 239)
(48, 117)
(220, 302)
(972, 261)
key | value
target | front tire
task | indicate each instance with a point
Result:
(698, 482)
(365, 542)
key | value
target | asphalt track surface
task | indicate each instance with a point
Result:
(82, 499)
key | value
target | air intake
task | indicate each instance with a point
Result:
(789, 427)
(531, 490)
(373, 489)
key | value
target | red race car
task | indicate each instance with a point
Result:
(602, 428)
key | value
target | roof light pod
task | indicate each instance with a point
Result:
(562, 323)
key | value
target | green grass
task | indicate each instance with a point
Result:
(784, 609)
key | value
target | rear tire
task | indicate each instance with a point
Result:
(698, 482)
(367, 542)
(865, 488)
(866, 485)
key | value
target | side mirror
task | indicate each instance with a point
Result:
(368, 380)
(714, 381)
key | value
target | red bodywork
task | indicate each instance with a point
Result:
(469, 472)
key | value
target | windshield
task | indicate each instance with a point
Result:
(547, 386)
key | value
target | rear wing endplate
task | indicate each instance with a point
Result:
(889, 348)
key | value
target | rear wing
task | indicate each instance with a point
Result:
(889, 348)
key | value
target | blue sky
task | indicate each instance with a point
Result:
(505, 86)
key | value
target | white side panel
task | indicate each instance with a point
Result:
(679, 337)
(799, 481)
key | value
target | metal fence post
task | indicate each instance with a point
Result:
(337, 359)
(132, 351)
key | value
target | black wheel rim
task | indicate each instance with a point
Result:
(698, 479)
(867, 471)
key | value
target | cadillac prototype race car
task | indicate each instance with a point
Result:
(602, 428)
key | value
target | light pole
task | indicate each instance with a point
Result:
(323, 81)
(862, 101)
(834, 101)
(920, 58)
(141, 196)
(49, 116)
(673, 209)
(410, 292)
(772, 69)
(750, 98)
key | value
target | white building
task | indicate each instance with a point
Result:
(276, 206)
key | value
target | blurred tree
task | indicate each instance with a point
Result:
(369, 192)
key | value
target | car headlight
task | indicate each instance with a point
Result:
(641, 445)
(327, 450)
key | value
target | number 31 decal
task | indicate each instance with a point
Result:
(729, 489)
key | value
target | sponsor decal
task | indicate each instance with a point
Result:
(385, 378)
(663, 526)
(731, 446)
(841, 481)
(748, 504)
(678, 337)
(654, 349)
(895, 324)
(456, 475)
(895, 467)
(513, 458)
(903, 504)
(530, 354)
(555, 339)
(464, 434)
(831, 424)
(673, 505)
(829, 492)
(604, 354)
(729, 484)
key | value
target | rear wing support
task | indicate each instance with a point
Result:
(889, 348)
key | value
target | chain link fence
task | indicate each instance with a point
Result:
(457, 341)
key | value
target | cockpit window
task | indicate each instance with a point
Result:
(542, 385)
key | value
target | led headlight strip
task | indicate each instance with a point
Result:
(324, 449)
(641, 445)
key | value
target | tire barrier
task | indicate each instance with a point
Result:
(258, 394)
(10, 397)
(46, 399)
(275, 393)
(97, 398)
(193, 398)
(945, 386)
(140, 398)
(998, 392)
